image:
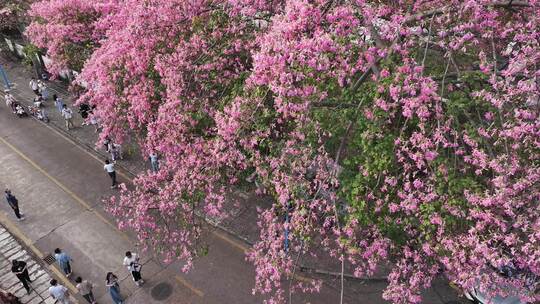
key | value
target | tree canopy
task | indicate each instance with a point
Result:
(405, 131)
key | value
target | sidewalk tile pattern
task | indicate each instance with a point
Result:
(11, 249)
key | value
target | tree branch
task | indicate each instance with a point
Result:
(446, 9)
(427, 43)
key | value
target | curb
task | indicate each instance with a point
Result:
(302, 268)
(38, 255)
(337, 274)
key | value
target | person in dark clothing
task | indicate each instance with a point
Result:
(20, 270)
(84, 109)
(14, 204)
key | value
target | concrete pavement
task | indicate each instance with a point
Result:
(11, 249)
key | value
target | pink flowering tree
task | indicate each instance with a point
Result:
(387, 131)
(436, 157)
(69, 31)
(13, 15)
(163, 76)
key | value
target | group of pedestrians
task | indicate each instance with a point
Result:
(85, 287)
(65, 111)
(59, 292)
(109, 167)
(131, 260)
(39, 102)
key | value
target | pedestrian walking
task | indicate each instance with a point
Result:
(94, 122)
(58, 102)
(63, 261)
(10, 101)
(116, 151)
(107, 143)
(85, 289)
(34, 85)
(14, 204)
(8, 98)
(111, 281)
(43, 90)
(67, 113)
(131, 260)
(43, 115)
(109, 167)
(8, 298)
(84, 108)
(59, 292)
(38, 101)
(93, 118)
(20, 270)
(154, 164)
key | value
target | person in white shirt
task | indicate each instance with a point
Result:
(19, 110)
(38, 101)
(59, 292)
(34, 85)
(67, 113)
(109, 168)
(43, 90)
(131, 260)
(9, 99)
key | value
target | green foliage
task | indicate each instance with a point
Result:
(77, 53)
(31, 52)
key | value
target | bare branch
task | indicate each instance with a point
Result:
(427, 43)
(444, 78)
(446, 9)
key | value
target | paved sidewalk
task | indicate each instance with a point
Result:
(57, 217)
(11, 249)
(20, 75)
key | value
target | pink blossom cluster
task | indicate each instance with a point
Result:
(68, 30)
(225, 91)
(13, 14)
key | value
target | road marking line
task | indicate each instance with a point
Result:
(14, 230)
(189, 286)
(245, 249)
(64, 188)
(232, 242)
(84, 204)
(100, 160)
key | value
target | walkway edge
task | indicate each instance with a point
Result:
(19, 235)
